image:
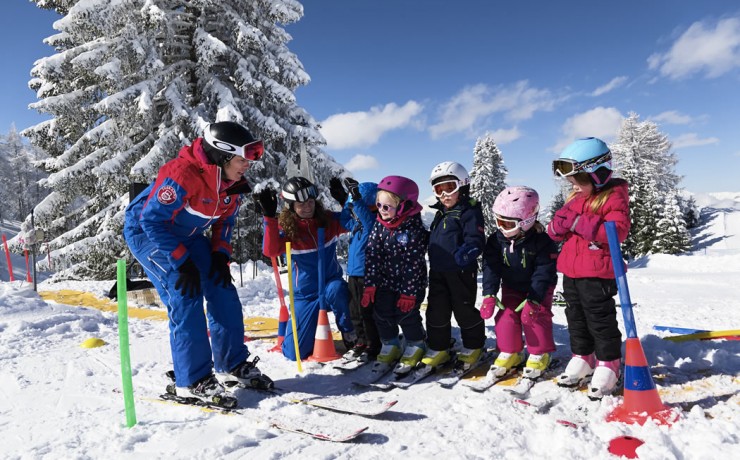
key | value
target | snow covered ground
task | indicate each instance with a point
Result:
(59, 400)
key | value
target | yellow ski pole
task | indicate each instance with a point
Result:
(292, 307)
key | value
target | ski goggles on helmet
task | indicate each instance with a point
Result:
(563, 167)
(302, 195)
(509, 226)
(252, 151)
(446, 188)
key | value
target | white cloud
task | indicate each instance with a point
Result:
(692, 140)
(614, 83)
(517, 102)
(360, 162)
(702, 48)
(601, 122)
(671, 117)
(504, 136)
(363, 129)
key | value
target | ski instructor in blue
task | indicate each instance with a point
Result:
(164, 228)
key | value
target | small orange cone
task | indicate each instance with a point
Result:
(323, 346)
(641, 398)
(282, 327)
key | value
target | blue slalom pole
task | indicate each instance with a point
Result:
(621, 276)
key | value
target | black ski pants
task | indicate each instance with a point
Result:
(592, 317)
(454, 293)
(362, 317)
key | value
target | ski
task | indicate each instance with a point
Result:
(322, 436)
(316, 434)
(540, 404)
(459, 371)
(195, 402)
(524, 384)
(479, 386)
(379, 371)
(365, 409)
(421, 372)
(350, 365)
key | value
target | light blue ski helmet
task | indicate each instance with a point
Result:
(589, 155)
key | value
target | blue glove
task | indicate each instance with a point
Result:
(466, 254)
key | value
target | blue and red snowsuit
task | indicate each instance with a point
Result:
(305, 258)
(163, 228)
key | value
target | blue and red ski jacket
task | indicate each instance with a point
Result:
(188, 196)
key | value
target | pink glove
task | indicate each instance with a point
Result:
(562, 223)
(406, 303)
(368, 296)
(489, 303)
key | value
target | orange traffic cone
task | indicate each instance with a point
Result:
(323, 346)
(641, 398)
(282, 326)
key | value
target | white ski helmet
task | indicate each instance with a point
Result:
(449, 171)
(515, 208)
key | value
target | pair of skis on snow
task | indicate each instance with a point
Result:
(449, 373)
(335, 404)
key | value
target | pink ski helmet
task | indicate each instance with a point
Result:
(404, 188)
(516, 208)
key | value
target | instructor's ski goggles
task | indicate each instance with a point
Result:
(446, 188)
(252, 151)
(563, 167)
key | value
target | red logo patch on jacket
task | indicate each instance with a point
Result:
(167, 195)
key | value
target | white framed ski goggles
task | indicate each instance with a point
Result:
(563, 167)
(510, 226)
(446, 188)
(302, 195)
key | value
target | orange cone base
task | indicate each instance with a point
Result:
(323, 346)
(666, 416)
(278, 346)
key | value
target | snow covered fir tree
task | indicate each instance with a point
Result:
(19, 179)
(643, 157)
(132, 82)
(488, 177)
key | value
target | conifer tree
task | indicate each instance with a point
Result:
(132, 82)
(643, 157)
(20, 179)
(488, 177)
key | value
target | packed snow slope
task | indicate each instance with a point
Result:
(62, 401)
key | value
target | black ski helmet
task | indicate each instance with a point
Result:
(299, 189)
(225, 139)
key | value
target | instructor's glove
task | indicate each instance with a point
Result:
(466, 254)
(188, 283)
(220, 271)
(406, 303)
(368, 296)
(353, 187)
(337, 191)
(489, 303)
(267, 201)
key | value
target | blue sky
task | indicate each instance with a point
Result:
(400, 86)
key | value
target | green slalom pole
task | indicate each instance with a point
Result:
(128, 386)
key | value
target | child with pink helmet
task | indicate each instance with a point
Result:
(520, 258)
